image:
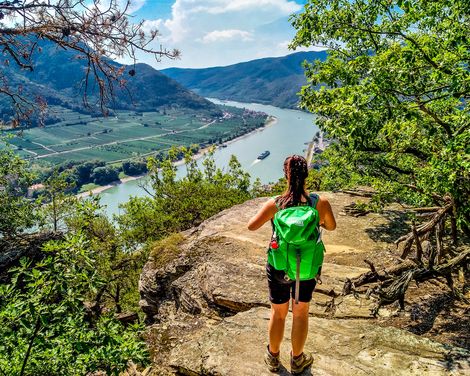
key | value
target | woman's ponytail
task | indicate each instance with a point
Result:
(296, 171)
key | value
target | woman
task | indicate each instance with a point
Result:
(281, 290)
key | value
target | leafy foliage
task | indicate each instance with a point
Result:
(58, 203)
(394, 96)
(57, 307)
(83, 29)
(118, 268)
(44, 326)
(104, 175)
(134, 167)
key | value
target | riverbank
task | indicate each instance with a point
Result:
(103, 188)
(271, 120)
(316, 146)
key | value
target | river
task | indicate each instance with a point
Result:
(287, 136)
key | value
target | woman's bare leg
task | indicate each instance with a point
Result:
(276, 326)
(299, 327)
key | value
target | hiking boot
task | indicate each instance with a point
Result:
(272, 361)
(298, 365)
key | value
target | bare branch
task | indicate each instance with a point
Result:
(97, 34)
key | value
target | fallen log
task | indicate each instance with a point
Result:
(374, 276)
(127, 318)
(354, 210)
(422, 230)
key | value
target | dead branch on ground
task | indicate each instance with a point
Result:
(434, 257)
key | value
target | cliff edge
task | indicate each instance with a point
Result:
(205, 296)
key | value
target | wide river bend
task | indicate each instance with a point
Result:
(290, 134)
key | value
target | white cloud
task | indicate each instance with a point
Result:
(225, 6)
(223, 32)
(149, 25)
(284, 46)
(224, 35)
(195, 16)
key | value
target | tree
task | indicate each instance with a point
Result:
(58, 204)
(117, 267)
(17, 212)
(133, 168)
(98, 31)
(104, 175)
(59, 291)
(393, 95)
(83, 171)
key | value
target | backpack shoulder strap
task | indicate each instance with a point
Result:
(277, 207)
(314, 199)
(275, 202)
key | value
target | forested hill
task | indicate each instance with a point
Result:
(273, 81)
(58, 76)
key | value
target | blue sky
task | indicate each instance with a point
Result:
(217, 32)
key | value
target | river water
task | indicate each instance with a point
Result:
(288, 135)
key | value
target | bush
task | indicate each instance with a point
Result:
(180, 204)
(104, 175)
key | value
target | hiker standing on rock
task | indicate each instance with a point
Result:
(295, 256)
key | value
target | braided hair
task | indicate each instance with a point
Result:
(295, 171)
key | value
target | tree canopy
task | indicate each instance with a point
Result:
(393, 96)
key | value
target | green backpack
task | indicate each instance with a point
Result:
(300, 249)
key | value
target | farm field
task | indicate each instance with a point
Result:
(127, 134)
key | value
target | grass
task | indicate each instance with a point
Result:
(166, 250)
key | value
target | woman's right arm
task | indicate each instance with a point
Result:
(327, 219)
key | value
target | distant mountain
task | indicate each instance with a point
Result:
(58, 74)
(273, 81)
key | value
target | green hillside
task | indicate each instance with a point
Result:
(58, 78)
(274, 81)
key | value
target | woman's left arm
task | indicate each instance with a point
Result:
(264, 214)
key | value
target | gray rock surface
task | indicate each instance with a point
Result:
(340, 347)
(209, 308)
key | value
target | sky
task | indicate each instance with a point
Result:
(217, 32)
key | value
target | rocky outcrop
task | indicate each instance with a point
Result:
(209, 306)
(339, 347)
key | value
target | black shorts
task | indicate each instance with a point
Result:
(280, 290)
